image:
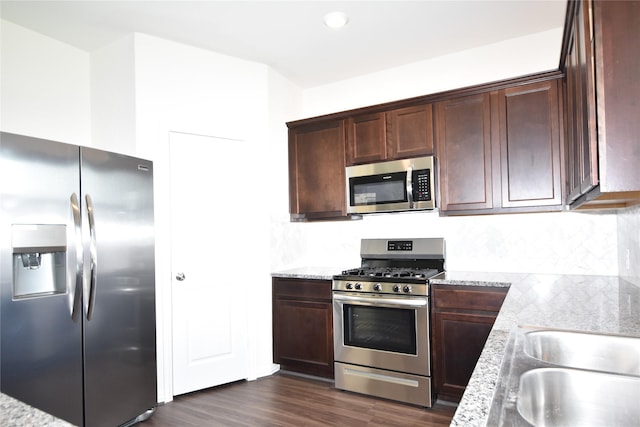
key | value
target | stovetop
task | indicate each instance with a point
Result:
(396, 281)
(400, 267)
(374, 273)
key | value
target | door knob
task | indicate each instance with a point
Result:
(180, 277)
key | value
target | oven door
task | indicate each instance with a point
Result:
(385, 332)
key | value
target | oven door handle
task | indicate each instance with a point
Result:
(399, 302)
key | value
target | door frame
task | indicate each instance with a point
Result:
(164, 282)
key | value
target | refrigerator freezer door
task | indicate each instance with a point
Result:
(120, 335)
(40, 342)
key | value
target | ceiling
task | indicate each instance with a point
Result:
(290, 35)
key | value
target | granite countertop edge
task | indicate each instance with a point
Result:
(462, 278)
(315, 273)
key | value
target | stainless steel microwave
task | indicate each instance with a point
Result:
(397, 185)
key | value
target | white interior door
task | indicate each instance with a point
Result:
(209, 315)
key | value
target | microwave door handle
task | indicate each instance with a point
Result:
(410, 186)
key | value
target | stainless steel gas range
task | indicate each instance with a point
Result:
(381, 319)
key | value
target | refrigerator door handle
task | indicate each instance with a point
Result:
(75, 277)
(93, 263)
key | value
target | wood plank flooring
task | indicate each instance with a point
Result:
(286, 400)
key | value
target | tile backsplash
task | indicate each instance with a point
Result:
(629, 244)
(556, 243)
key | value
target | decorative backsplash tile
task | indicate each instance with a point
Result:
(629, 243)
(556, 243)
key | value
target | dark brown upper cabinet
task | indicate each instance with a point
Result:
(317, 171)
(498, 148)
(366, 138)
(463, 135)
(389, 135)
(601, 62)
(410, 132)
(500, 151)
(580, 106)
(530, 156)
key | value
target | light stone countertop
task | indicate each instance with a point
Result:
(14, 413)
(317, 273)
(606, 304)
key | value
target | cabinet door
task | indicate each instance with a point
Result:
(410, 132)
(459, 339)
(303, 326)
(463, 138)
(317, 171)
(366, 138)
(462, 320)
(530, 170)
(582, 143)
(617, 61)
(302, 330)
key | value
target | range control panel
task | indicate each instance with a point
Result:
(400, 245)
(380, 287)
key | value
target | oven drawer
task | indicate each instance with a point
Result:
(481, 298)
(406, 388)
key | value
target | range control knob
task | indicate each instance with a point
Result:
(377, 287)
(407, 289)
(358, 286)
(349, 285)
(396, 288)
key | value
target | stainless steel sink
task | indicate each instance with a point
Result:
(582, 350)
(565, 397)
(554, 377)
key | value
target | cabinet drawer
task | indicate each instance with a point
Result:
(468, 297)
(302, 288)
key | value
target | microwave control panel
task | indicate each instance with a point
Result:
(422, 185)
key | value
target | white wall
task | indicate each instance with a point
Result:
(548, 243)
(113, 116)
(184, 89)
(141, 88)
(44, 87)
(498, 61)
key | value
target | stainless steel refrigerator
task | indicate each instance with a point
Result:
(77, 281)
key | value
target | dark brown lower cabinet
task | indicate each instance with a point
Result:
(462, 318)
(303, 326)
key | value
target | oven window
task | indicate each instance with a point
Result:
(380, 328)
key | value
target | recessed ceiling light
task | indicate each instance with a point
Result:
(336, 19)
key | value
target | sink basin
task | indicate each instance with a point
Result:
(563, 397)
(607, 353)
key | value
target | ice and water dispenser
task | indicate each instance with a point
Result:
(39, 259)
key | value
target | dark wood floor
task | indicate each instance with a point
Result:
(289, 400)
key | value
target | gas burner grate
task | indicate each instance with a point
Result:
(391, 272)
